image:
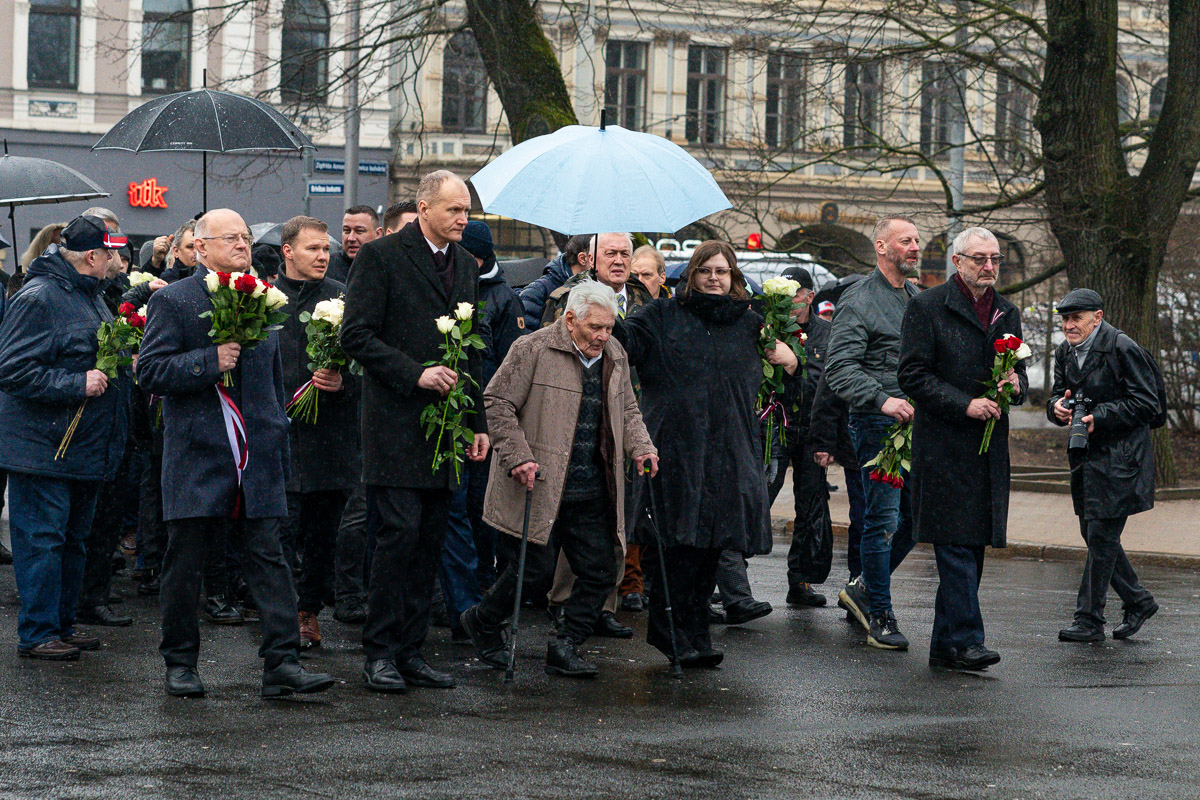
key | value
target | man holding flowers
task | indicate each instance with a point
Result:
(400, 286)
(950, 342)
(324, 443)
(225, 455)
(49, 376)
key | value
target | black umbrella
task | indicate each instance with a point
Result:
(204, 121)
(30, 181)
(832, 293)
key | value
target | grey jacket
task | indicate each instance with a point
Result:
(864, 346)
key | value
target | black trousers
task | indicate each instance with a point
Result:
(583, 531)
(810, 556)
(957, 621)
(350, 558)
(104, 538)
(1106, 564)
(150, 507)
(309, 539)
(691, 576)
(267, 576)
(408, 551)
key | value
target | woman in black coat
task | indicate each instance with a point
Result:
(698, 359)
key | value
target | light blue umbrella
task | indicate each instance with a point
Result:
(581, 179)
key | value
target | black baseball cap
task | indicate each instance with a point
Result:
(1080, 300)
(801, 276)
(86, 232)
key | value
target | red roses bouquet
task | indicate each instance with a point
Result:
(894, 456)
(114, 339)
(1009, 350)
(245, 310)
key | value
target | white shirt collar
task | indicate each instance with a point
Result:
(587, 362)
(434, 247)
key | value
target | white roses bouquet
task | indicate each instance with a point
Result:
(324, 349)
(447, 416)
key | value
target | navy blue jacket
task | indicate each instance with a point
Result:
(47, 345)
(503, 313)
(535, 295)
(178, 361)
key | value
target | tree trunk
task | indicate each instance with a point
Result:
(521, 65)
(1112, 226)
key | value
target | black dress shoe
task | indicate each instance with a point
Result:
(977, 657)
(417, 672)
(947, 659)
(218, 611)
(84, 641)
(708, 657)
(634, 601)
(563, 659)
(803, 595)
(351, 611)
(149, 585)
(381, 675)
(184, 682)
(291, 678)
(609, 626)
(5, 555)
(102, 615)
(1081, 633)
(1133, 621)
(490, 644)
(746, 611)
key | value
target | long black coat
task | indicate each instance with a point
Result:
(325, 455)
(178, 362)
(959, 496)
(1115, 478)
(700, 376)
(392, 301)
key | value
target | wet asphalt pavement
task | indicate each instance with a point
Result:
(801, 708)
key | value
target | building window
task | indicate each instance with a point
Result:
(53, 61)
(1013, 129)
(464, 86)
(166, 41)
(304, 57)
(862, 109)
(1126, 106)
(1158, 96)
(785, 100)
(939, 98)
(705, 95)
(625, 83)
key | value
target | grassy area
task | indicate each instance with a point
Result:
(1048, 448)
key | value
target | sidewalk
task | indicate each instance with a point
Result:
(1045, 526)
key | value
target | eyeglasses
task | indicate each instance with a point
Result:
(720, 272)
(981, 260)
(231, 238)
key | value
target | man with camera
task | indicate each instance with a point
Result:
(1105, 388)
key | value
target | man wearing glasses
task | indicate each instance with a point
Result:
(959, 490)
(202, 490)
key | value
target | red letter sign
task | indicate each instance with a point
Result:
(147, 194)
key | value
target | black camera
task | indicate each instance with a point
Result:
(1078, 437)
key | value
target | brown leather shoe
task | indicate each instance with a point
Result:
(84, 641)
(53, 650)
(310, 630)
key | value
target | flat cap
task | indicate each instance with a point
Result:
(1079, 300)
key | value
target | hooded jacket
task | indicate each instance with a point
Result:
(535, 295)
(47, 345)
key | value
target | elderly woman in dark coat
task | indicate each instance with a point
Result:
(698, 359)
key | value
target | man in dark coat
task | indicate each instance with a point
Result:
(399, 287)
(202, 483)
(47, 373)
(360, 224)
(1113, 475)
(830, 434)
(959, 495)
(864, 349)
(573, 260)
(325, 454)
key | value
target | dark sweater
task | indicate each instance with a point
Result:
(585, 475)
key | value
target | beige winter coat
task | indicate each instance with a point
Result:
(532, 405)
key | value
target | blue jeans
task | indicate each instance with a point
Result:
(49, 519)
(854, 489)
(460, 584)
(887, 535)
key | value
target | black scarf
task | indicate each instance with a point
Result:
(720, 309)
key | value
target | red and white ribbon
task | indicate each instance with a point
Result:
(235, 430)
(297, 393)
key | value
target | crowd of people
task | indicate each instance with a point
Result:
(615, 460)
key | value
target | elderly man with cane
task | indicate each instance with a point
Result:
(563, 418)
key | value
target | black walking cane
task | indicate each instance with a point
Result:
(516, 615)
(676, 667)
